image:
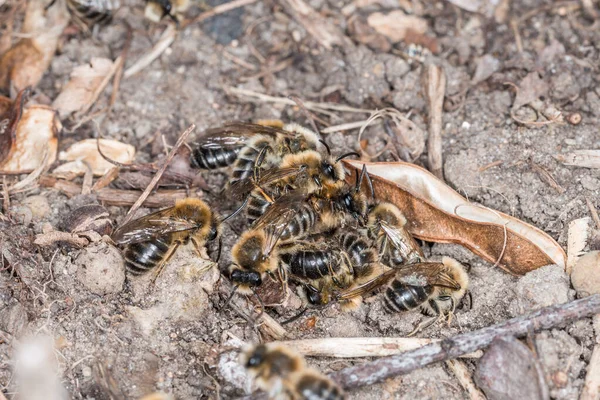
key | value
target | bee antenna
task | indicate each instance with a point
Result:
(369, 181)
(295, 317)
(352, 153)
(235, 288)
(326, 146)
(236, 212)
(219, 249)
(306, 113)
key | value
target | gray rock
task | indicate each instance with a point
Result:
(101, 269)
(540, 288)
(13, 319)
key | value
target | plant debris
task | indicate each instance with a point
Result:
(87, 152)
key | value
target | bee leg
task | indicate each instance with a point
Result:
(424, 325)
(161, 267)
(283, 277)
(198, 248)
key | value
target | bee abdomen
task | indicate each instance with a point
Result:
(310, 264)
(402, 297)
(318, 388)
(205, 158)
(257, 205)
(247, 159)
(304, 220)
(142, 257)
(358, 249)
(90, 12)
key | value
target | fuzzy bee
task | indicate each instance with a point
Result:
(89, 13)
(283, 373)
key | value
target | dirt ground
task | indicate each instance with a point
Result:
(167, 338)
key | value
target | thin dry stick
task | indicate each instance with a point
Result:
(163, 43)
(159, 173)
(220, 9)
(311, 105)
(360, 346)
(347, 126)
(593, 211)
(459, 369)
(388, 367)
(591, 388)
(435, 89)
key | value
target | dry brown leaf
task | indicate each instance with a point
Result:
(79, 93)
(581, 158)
(10, 117)
(70, 170)
(29, 136)
(395, 24)
(509, 370)
(87, 150)
(531, 88)
(439, 214)
(25, 63)
(486, 66)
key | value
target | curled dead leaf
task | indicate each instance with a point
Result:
(11, 115)
(24, 64)
(395, 24)
(87, 150)
(439, 214)
(28, 136)
(86, 80)
(531, 88)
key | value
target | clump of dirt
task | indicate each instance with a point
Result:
(168, 336)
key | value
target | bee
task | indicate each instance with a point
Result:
(87, 13)
(249, 146)
(363, 256)
(310, 261)
(158, 9)
(150, 241)
(435, 288)
(282, 372)
(386, 225)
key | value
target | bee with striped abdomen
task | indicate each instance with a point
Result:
(282, 373)
(88, 13)
(150, 241)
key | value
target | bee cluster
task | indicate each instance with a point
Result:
(307, 226)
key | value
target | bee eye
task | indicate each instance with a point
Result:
(348, 201)
(213, 233)
(254, 361)
(236, 275)
(328, 170)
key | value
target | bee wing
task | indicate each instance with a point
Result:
(426, 273)
(235, 135)
(282, 211)
(151, 225)
(242, 188)
(401, 239)
(367, 287)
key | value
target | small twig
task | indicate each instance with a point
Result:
(86, 185)
(117, 197)
(360, 346)
(120, 69)
(490, 165)
(347, 126)
(435, 89)
(593, 211)
(163, 43)
(51, 238)
(106, 179)
(547, 177)
(311, 105)
(459, 369)
(220, 9)
(159, 173)
(591, 388)
(388, 367)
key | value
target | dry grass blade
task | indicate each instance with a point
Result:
(547, 177)
(434, 82)
(461, 372)
(360, 346)
(593, 211)
(163, 43)
(576, 240)
(159, 173)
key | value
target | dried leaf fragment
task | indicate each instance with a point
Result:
(327, 34)
(36, 139)
(581, 158)
(508, 370)
(577, 237)
(86, 150)
(437, 213)
(79, 93)
(11, 115)
(25, 63)
(531, 88)
(395, 24)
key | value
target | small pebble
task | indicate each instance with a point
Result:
(101, 269)
(585, 276)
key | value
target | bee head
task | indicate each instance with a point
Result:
(316, 297)
(256, 356)
(246, 278)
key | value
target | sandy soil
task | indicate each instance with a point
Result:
(167, 338)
